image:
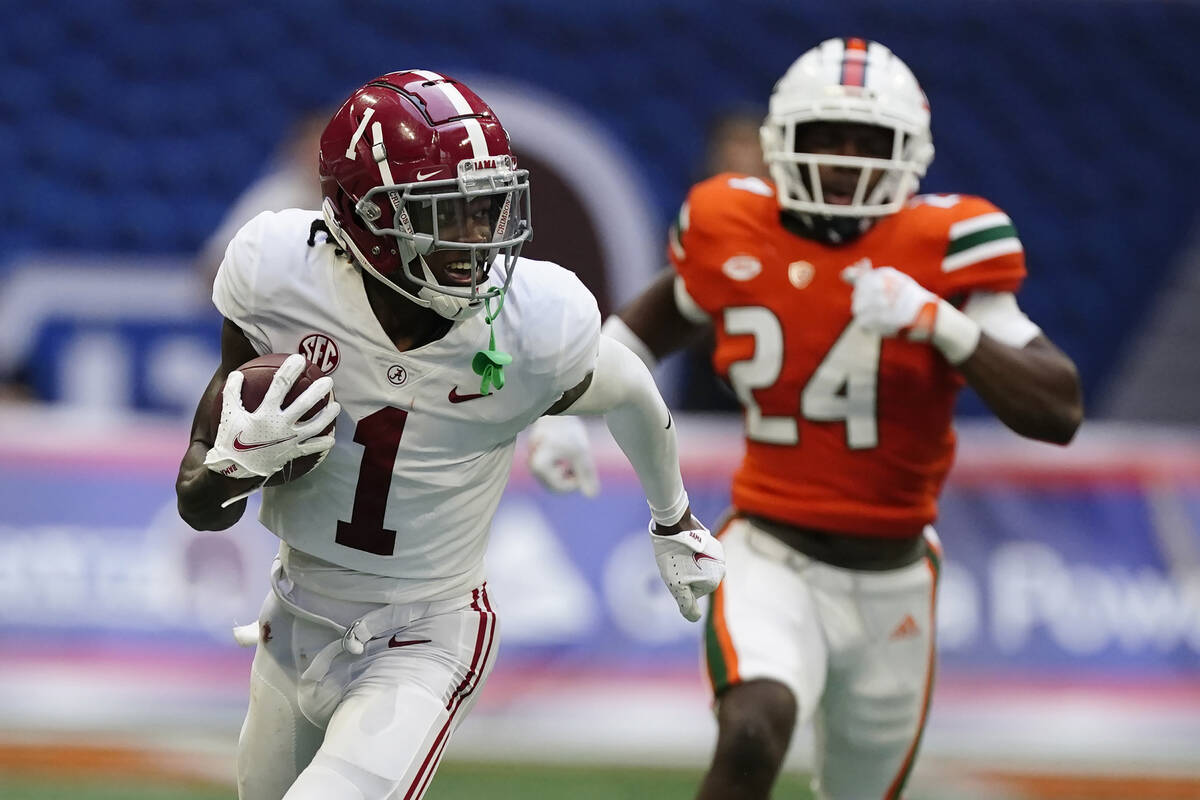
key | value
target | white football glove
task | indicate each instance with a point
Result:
(260, 442)
(560, 456)
(692, 564)
(888, 302)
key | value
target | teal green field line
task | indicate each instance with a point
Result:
(27, 788)
(455, 781)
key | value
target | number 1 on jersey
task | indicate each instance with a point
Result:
(379, 434)
(842, 388)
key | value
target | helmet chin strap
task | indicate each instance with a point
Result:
(446, 305)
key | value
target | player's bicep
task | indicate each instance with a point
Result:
(619, 379)
(656, 318)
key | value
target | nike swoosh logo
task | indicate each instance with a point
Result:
(394, 642)
(421, 176)
(238, 444)
(699, 556)
(455, 397)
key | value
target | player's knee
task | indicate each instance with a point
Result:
(328, 776)
(756, 722)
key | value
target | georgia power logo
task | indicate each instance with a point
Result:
(742, 268)
(320, 350)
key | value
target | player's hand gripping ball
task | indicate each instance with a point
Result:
(283, 425)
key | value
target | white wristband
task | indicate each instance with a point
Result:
(671, 514)
(954, 333)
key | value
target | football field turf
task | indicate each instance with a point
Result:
(455, 781)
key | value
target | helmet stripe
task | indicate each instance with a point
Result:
(854, 63)
(362, 128)
(462, 106)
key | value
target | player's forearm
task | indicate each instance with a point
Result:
(1033, 390)
(645, 432)
(199, 493)
(623, 390)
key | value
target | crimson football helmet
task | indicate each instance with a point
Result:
(856, 81)
(399, 163)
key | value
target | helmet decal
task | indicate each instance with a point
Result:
(854, 63)
(358, 132)
(461, 106)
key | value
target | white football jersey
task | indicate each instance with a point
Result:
(421, 457)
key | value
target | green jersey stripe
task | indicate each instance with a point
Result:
(979, 237)
(982, 252)
(965, 227)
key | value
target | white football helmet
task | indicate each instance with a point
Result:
(848, 80)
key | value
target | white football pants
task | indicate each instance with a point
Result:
(365, 727)
(855, 647)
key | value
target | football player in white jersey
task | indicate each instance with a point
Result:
(407, 290)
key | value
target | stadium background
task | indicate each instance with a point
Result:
(1071, 610)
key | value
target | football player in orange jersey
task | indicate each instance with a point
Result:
(848, 313)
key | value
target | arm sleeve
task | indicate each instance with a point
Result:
(1000, 317)
(615, 328)
(623, 390)
(234, 287)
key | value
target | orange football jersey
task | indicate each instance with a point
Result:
(845, 430)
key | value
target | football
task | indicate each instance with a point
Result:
(259, 372)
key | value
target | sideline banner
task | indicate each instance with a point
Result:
(1080, 563)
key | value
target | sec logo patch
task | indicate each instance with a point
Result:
(320, 350)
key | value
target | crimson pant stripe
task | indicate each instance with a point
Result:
(470, 680)
(484, 639)
(463, 696)
(854, 63)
